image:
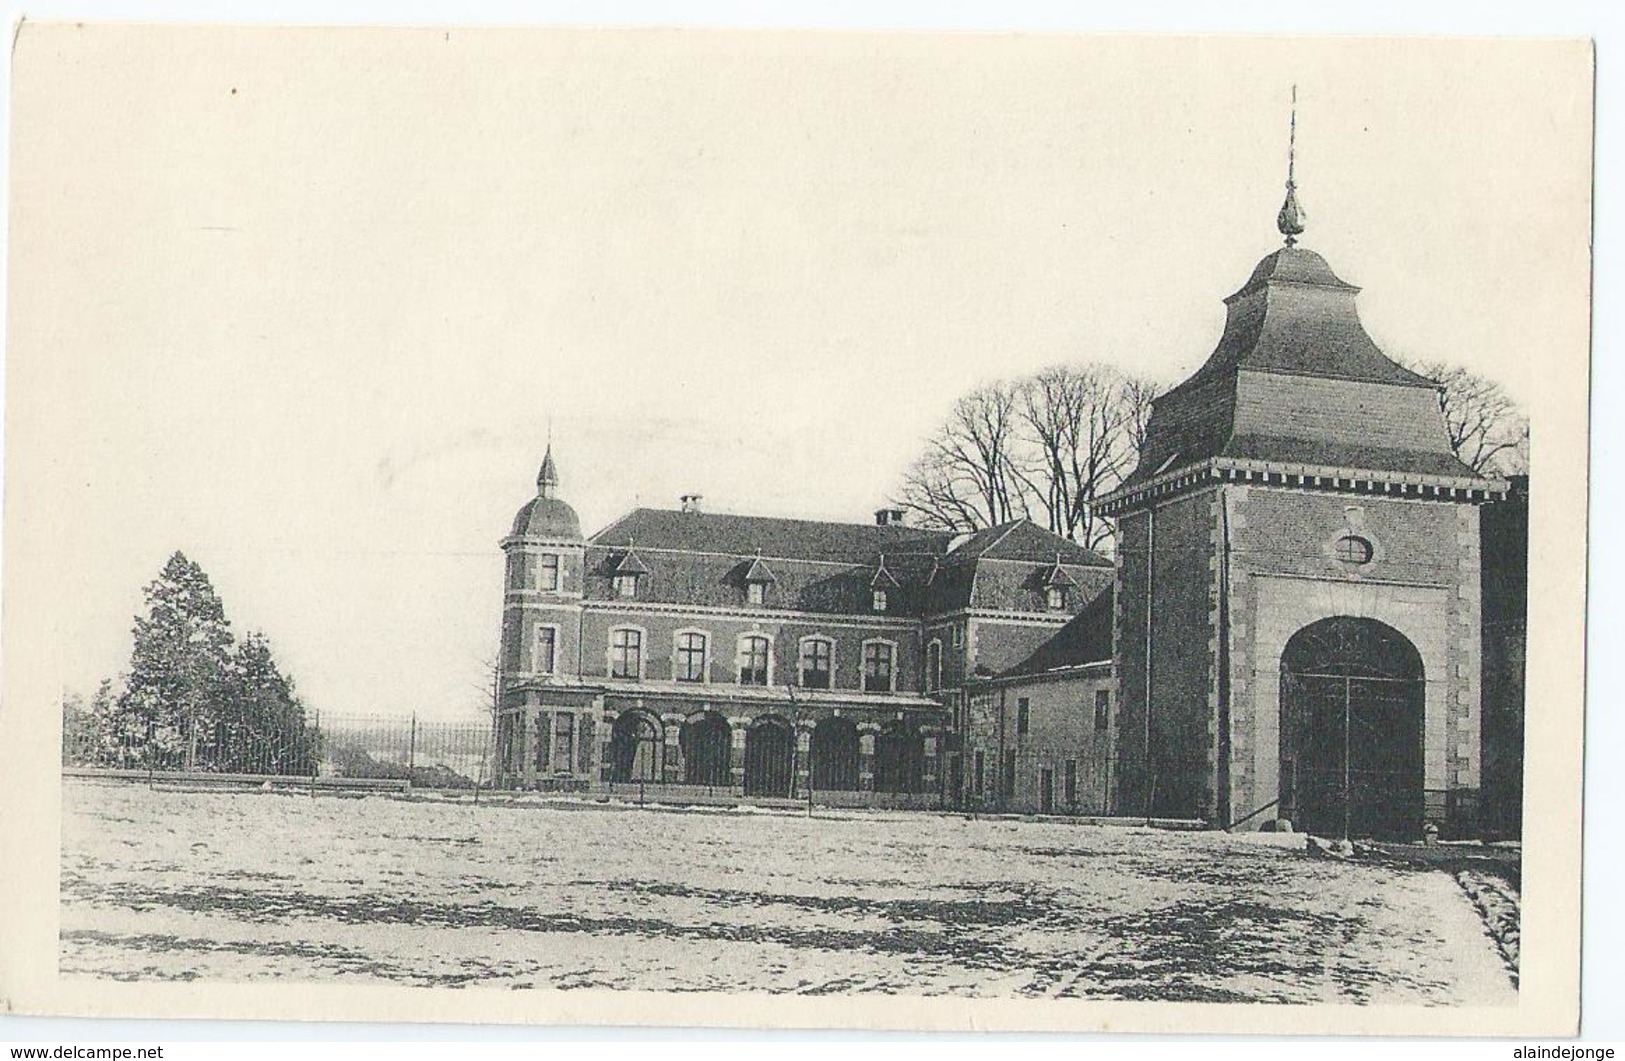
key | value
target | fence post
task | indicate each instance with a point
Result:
(412, 750)
(315, 752)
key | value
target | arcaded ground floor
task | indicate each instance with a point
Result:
(173, 884)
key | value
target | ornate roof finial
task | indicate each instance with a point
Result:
(1290, 219)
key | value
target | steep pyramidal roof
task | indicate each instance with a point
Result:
(1296, 380)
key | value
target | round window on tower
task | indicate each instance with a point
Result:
(1353, 549)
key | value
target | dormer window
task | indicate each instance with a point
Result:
(882, 581)
(757, 579)
(1056, 583)
(624, 575)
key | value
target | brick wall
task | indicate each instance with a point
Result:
(1061, 740)
(660, 630)
(1179, 780)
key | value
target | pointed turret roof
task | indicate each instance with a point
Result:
(547, 480)
(545, 515)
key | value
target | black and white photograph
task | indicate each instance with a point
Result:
(883, 529)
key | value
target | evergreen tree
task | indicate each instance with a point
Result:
(177, 695)
(86, 732)
(265, 731)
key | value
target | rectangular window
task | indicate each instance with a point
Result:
(959, 636)
(879, 600)
(625, 654)
(548, 572)
(979, 781)
(1070, 780)
(753, 661)
(1009, 774)
(1024, 716)
(584, 747)
(933, 666)
(563, 741)
(815, 659)
(518, 571)
(877, 668)
(540, 750)
(546, 649)
(756, 593)
(1046, 791)
(1056, 598)
(1103, 709)
(626, 586)
(690, 658)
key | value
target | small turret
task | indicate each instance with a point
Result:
(545, 516)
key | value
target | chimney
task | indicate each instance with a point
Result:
(691, 502)
(888, 517)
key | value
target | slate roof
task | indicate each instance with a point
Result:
(547, 517)
(1291, 330)
(769, 536)
(707, 558)
(1022, 539)
(1086, 638)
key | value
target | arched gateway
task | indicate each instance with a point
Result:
(1351, 730)
(705, 741)
(835, 754)
(770, 747)
(634, 747)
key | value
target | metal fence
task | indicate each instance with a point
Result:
(429, 754)
(423, 753)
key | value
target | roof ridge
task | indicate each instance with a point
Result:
(922, 531)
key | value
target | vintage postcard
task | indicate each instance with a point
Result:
(870, 530)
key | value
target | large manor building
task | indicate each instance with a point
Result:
(1292, 629)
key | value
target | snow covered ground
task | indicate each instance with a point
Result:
(181, 885)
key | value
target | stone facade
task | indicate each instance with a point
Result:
(1298, 627)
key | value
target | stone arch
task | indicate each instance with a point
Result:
(1351, 730)
(835, 754)
(636, 744)
(899, 757)
(770, 749)
(706, 741)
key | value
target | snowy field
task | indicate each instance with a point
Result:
(179, 885)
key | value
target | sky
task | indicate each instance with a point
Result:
(306, 305)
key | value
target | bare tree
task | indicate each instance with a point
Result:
(1079, 424)
(1487, 429)
(1049, 445)
(968, 476)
